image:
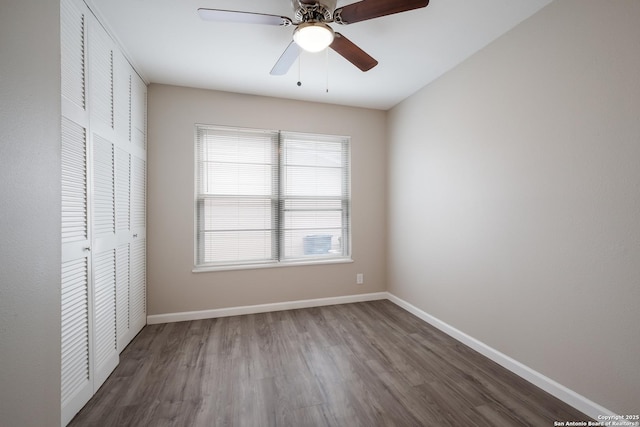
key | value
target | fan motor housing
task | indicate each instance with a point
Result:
(314, 10)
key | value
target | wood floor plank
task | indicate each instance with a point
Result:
(365, 364)
(311, 416)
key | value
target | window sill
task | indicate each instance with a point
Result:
(205, 269)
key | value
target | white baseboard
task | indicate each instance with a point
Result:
(552, 387)
(262, 308)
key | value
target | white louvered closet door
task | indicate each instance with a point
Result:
(122, 106)
(138, 305)
(103, 201)
(103, 272)
(138, 300)
(123, 250)
(76, 342)
(76, 291)
(130, 178)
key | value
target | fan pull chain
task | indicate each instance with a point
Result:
(327, 63)
(299, 66)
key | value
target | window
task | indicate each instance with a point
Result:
(270, 197)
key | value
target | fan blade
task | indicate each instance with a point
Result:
(286, 60)
(243, 17)
(369, 9)
(352, 53)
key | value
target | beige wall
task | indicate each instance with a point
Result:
(30, 213)
(514, 198)
(172, 287)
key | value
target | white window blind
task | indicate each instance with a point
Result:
(268, 197)
(314, 196)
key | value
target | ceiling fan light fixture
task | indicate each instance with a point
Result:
(313, 36)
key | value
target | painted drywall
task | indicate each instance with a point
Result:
(172, 286)
(30, 213)
(514, 198)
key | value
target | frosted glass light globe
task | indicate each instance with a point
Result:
(313, 36)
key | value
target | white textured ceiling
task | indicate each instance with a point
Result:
(168, 43)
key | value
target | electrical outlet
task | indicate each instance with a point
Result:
(359, 278)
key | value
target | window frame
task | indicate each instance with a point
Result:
(277, 206)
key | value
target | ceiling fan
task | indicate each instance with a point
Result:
(312, 33)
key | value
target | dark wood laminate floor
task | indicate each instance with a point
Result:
(365, 364)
